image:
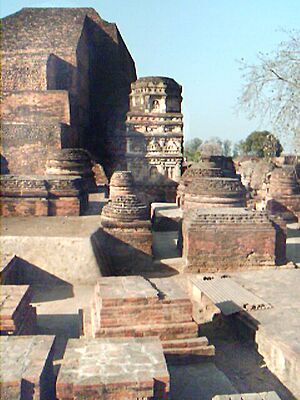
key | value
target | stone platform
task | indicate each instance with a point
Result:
(64, 249)
(17, 316)
(277, 330)
(136, 307)
(26, 367)
(111, 369)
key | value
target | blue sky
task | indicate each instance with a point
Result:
(198, 43)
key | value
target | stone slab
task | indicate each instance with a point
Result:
(122, 290)
(249, 396)
(166, 216)
(112, 369)
(227, 295)
(26, 367)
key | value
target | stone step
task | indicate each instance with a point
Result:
(205, 351)
(164, 331)
(185, 343)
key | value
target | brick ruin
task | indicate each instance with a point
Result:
(135, 307)
(127, 236)
(283, 192)
(154, 137)
(17, 316)
(212, 182)
(207, 232)
(214, 203)
(58, 94)
(74, 117)
(27, 367)
(272, 185)
(129, 368)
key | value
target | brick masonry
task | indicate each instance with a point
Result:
(113, 369)
(17, 316)
(59, 93)
(135, 307)
(27, 367)
(207, 234)
(42, 196)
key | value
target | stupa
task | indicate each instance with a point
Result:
(214, 203)
(283, 192)
(72, 162)
(211, 183)
(127, 228)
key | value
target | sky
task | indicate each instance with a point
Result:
(198, 43)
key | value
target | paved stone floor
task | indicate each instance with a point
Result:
(198, 382)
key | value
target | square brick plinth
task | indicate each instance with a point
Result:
(26, 367)
(113, 369)
(223, 239)
(132, 306)
(17, 316)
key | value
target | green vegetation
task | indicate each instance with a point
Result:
(263, 144)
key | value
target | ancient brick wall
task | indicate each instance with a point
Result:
(208, 250)
(109, 90)
(73, 50)
(26, 146)
(36, 106)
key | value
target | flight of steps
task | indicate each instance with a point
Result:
(135, 307)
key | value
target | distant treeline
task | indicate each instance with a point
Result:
(262, 144)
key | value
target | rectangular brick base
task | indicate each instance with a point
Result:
(227, 239)
(27, 367)
(113, 369)
(17, 316)
(132, 306)
(23, 207)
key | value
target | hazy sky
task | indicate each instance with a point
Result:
(198, 43)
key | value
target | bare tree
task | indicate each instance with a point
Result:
(212, 147)
(272, 88)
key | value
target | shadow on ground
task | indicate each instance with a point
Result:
(239, 360)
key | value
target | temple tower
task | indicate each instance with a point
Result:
(154, 137)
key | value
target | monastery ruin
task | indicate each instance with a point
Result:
(124, 276)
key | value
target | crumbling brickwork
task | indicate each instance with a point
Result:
(207, 234)
(66, 77)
